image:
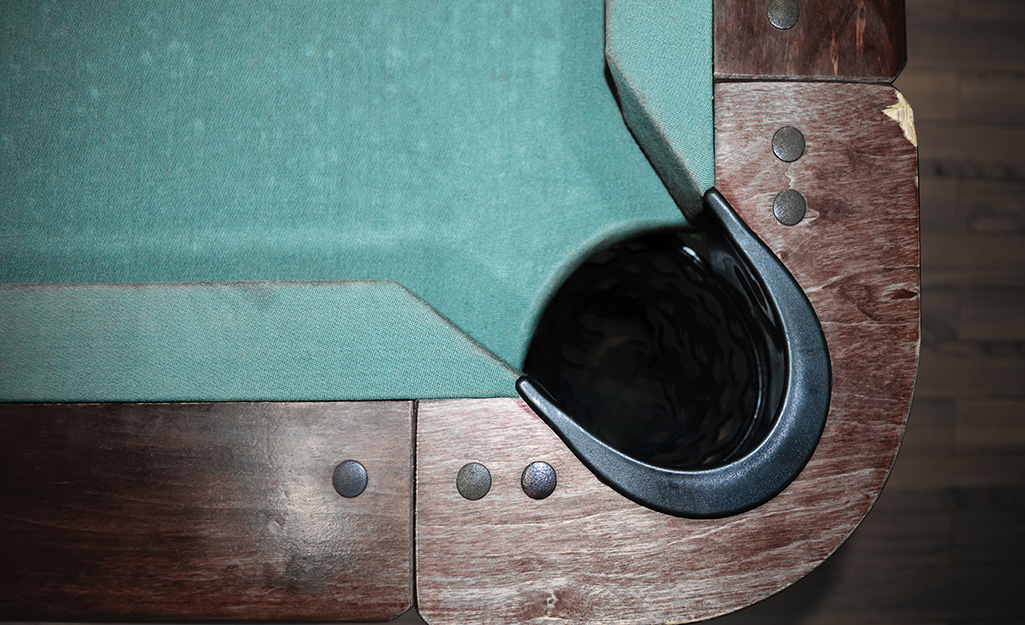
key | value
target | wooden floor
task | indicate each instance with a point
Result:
(946, 542)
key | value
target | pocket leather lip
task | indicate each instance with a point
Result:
(766, 469)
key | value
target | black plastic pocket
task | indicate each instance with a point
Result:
(686, 368)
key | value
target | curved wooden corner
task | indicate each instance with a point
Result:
(588, 554)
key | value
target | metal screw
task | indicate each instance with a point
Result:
(349, 479)
(788, 144)
(538, 480)
(783, 14)
(473, 481)
(789, 206)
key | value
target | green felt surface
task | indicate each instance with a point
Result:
(662, 67)
(287, 341)
(472, 152)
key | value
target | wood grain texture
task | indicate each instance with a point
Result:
(587, 554)
(203, 511)
(851, 41)
(962, 445)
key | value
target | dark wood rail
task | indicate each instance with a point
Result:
(203, 511)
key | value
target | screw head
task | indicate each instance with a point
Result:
(789, 206)
(788, 144)
(783, 14)
(538, 480)
(350, 479)
(473, 481)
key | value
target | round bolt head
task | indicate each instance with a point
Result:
(538, 480)
(788, 144)
(783, 14)
(789, 206)
(349, 479)
(473, 481)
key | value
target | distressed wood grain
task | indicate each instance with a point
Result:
(587, 554)
(203, 511)
(851, 41)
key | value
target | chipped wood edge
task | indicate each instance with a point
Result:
(902, 113)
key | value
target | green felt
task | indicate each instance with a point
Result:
(471, 151)
(234, 341)
(662, 67)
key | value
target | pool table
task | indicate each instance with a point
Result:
(246, 242)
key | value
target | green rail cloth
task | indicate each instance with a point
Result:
(662, 67)
(289, 341)
(470, 151)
